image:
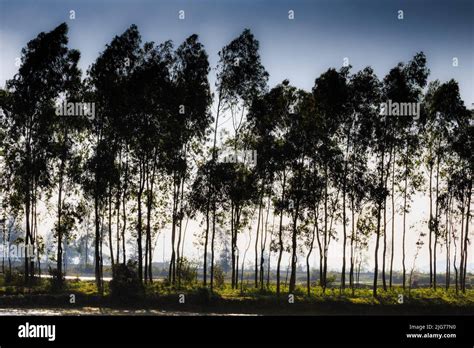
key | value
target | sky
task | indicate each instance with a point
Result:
(322, 34)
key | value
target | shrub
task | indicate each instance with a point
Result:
(125, 284)
(56, 282)
(187, 272)
(13, 277)
(330, 280)
(219, 277)
(204, 295)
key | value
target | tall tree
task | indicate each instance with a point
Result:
(45, 62)
(240, 78)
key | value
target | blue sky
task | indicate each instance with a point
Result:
(368, 32)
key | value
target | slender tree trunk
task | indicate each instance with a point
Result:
(308, 271)
(379, 216)
(27, 238)
(437, 220)
(280, 236)
(461, 244)
(343, 272)
(178, 253)
(124, 210)
(27, 203)
(448, 240)
(172, 268)
(263, 244)
(353, 236)
(384, 257)
(211, 191)
(206, 238)
(293, 248)
(117, 210)
(320, 247)
(236, 231)
(232, 213)
(212, 243)
(98, 279)
(466, 234)
(392, 252)
(146, 222)
(101, 257)
(344, 241)
(111, 247)
(456, 280)
(139, 222)
(257, 236)
(325, 227)
(149, 211)
(405, 194)
(59, 261)
(430, 226)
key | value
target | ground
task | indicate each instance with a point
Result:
(248, 300)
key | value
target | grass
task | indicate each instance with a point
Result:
(249, 299)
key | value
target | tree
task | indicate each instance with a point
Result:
(447, 121)
(47, 68)
(269, 121)
(192, 98)
(331, 95)
(109, 86)
(240, 78)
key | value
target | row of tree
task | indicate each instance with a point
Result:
(148, 157)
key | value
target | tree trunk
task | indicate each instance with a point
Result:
(263, 245)
(139, 223)
(124, 211)
(384, 258)
(59, 261)
(448, 241)
(308, 271)
(379, 216)
(461, 240)
(257, 235)
(343, 272)
(98, 278)
(466, 234)
(206, 238)
(430, 225)
(280, 237)
(405, 194)
(293, 248)
(353, 236)
(212, 243)
(392, 253)
(117, 210)
(437, 221)
(111, 247)
(323, 282)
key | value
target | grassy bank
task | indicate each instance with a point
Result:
(246, 300)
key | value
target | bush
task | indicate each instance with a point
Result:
(187, 272)
(56, 282)
(218, 277)
(204, 295)
(125, 284)
(13, 277)
(330, 280)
